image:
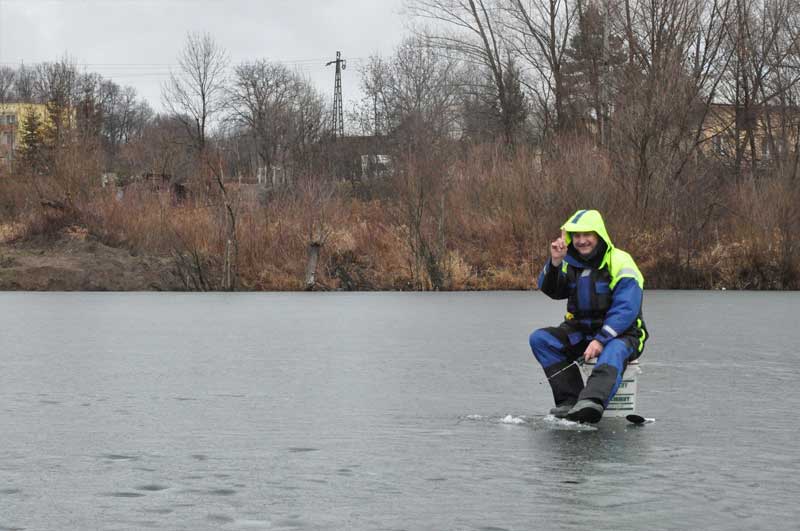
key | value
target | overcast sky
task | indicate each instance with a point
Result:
(135, 42)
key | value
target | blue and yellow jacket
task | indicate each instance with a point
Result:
(604, 298)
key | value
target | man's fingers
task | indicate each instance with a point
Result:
(593, 349)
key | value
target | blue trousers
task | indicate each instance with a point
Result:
(557, 347)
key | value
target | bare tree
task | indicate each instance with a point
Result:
(124, 117)
(56, 84)
(662, 99)
(7, 78)
(194, 94)
(416, 88)
(420, 187)
(371, 111)
(763, 41)
(117, 105)
(784, 136)
(24, 84)
(539, 33)
(159, 148)
(278, 109)
(477, 36)
(660, 103)
(307, 125)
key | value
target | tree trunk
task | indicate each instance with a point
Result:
(311, 267)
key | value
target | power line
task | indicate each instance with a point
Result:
(145, 75)
(288, 62)
(164, 70)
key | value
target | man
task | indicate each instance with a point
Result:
(603, 288)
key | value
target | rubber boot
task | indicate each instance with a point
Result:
(561, 411)
(585, 411)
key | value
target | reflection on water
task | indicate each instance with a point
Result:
(383, 411)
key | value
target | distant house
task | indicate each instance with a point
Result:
(771, 130)
(277, 175)
(12, 117)
(12, 126)
(376, 166)
(366, 156)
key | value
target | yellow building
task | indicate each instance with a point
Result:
(12, 117)
(764, 132)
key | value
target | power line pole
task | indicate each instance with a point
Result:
(338, 119)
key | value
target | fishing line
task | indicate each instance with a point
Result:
(578, 362)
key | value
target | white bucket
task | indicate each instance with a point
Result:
(624, 402)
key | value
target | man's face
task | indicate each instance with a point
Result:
(584, 242)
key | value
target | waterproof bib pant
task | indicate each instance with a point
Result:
(557, 347)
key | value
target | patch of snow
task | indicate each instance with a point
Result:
(511, 419)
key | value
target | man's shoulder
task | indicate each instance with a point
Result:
(618, 254)
(621, 264)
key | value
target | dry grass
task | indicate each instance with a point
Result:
(487, 219)
(11, 231)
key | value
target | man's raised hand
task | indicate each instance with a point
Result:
(558, 250)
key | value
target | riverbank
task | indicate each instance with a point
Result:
(73, 258)
(76, 261)
(483, 231)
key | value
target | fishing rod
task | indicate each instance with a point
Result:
(578, 362)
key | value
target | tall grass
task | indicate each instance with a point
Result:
(482, 221)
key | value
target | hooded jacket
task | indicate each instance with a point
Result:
(604, 292)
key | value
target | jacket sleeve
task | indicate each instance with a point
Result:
(553, 281)
(626, 303)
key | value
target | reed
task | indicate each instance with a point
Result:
(482, 222)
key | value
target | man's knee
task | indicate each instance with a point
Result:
(545, 346)
(540, 339)
(615, 353)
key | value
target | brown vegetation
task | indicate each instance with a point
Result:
(483, 224)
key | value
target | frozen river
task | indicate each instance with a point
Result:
(385, 411)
